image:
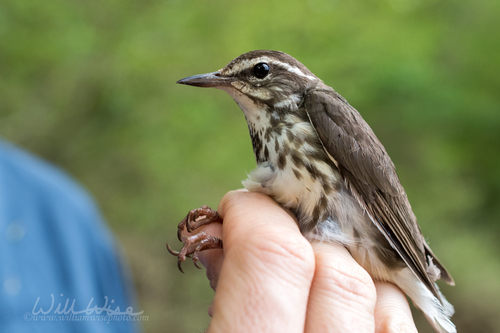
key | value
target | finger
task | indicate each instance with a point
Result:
(267, 271)
(210, 259)
(342, 296)
(392, 311)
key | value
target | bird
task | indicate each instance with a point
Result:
(317, 157)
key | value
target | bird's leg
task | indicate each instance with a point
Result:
(193, 245)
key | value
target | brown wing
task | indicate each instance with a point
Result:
(370, 174)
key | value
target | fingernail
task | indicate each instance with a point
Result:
(211, 309)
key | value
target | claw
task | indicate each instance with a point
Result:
(196, 264)
(179, 265)
(175, 253)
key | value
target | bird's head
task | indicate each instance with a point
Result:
(260, 79)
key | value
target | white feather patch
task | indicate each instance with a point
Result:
(433, 271)
(289, 103)
(436, 313)
(297, 71)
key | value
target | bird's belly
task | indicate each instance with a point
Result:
(309, 196)
(334, 217)
(363, 240)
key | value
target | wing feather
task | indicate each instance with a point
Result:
(371, 176)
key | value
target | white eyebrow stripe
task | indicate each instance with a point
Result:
(294, 70)
(238, 67)
(252, 62)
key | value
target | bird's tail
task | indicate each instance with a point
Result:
(437, 312)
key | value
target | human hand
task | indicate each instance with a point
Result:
(269, 278)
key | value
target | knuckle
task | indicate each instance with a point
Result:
(227, 201)
(237, 200)
(346, 279)
(290, 253)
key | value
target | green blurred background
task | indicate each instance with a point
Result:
(90, 86)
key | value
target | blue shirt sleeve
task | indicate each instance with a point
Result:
(59, 267)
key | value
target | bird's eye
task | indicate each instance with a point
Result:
(261, 70)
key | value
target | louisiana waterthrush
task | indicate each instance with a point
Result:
(317, 157)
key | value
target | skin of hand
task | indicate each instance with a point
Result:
(269, 278)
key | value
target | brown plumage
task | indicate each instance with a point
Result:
(371, 176)
(317, 156)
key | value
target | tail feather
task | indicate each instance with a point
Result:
(438, 317)
(437, 313)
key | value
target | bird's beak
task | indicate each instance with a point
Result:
(213, 79)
